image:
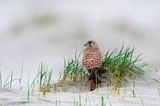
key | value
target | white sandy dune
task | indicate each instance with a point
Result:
(147, 93)
(147, 96)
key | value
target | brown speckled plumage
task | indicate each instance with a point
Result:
(92, 60)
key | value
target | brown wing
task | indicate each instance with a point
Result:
(92, 58)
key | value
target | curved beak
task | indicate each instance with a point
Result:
(86, 44)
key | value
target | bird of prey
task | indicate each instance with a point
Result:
(92, 60)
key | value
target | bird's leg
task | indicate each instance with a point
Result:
(92, 74)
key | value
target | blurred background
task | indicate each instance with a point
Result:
(32, 31)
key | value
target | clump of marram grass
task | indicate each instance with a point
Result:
(74, 76)
(116, 67)
(73, 69)
(42, 81)
(45, 77)
(120, 64)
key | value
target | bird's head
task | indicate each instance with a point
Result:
(90, 44)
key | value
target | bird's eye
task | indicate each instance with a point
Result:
(90, 42)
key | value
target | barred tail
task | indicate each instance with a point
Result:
(92, 84)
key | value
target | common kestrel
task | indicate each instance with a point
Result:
(92, 60)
